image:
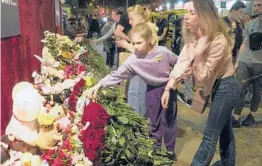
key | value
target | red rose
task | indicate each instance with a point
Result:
(81, 135)
(47, 157)
(58, 162)
(95, 114)
(61, 154)
(100, 134)
(67, 130)
(81, 68)
(72, 102)
(78, 86)
(51, 152)
(67, 144)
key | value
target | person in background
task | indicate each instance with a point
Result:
(152, 63)
(81, 31)
(177, 36)
(70, 29)
(94, 27)
(250, 66)
(162, 25)
(207, 46)
(123, 26)
(234, 23)
(246, 19)
(109, 43)
(116, 15)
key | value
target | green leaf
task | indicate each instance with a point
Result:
(108, 159)
(122, 141)
(111, 111)
(128, 154)
(114, 140)
(150, 153)
(123, 119)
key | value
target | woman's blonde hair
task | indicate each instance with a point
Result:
(209, 21)
(142, 11)
(148, 31)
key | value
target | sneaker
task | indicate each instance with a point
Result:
(235, 123)
(171, 156)
(250, 120)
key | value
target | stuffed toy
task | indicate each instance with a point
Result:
(59, 112)
(27, 103)
(48, 67)
(39, 79)
(18, 146)
(60, 87)
(4, 154)
(20, 86)
(48, 135)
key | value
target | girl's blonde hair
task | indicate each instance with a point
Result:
(142, 11)
(209, 21)
(148, 31)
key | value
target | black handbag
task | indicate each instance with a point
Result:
(255, 41)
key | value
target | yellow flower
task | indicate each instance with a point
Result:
(67, 55)
(159, 58)
(90, 81)
(45, 119)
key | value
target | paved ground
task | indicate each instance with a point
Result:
(190, 129)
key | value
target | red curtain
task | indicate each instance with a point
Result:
(17, 60)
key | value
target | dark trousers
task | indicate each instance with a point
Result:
(218, 126)
(246, 71)
(110, 57)
(162, 121)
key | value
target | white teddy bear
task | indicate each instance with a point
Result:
(27, 103)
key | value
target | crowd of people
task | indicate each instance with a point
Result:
(215, 59)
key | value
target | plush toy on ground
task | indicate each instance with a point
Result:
(48, 135)
(27, 103)
(18, 146)
(59, 112)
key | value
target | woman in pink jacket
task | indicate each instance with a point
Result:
(207, 56)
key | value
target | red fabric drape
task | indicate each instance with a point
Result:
(17, 60)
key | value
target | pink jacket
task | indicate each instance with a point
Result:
(215, 64)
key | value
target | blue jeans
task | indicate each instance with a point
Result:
(219, 126)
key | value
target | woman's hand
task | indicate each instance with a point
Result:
(92, 92)
(122, 43)
(93, 42)
(165, 98)
(200, 47)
